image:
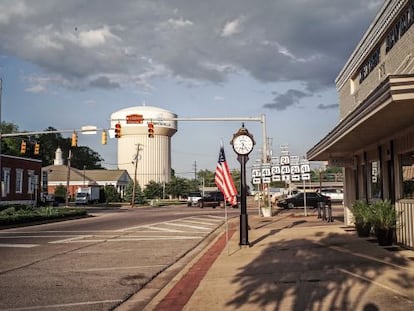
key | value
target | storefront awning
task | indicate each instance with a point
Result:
(388, 110)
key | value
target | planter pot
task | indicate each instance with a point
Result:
(363, 229)
(385, 237)
(266, 211)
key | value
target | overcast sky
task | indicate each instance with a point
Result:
(71, 63)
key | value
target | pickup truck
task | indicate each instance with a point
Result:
(213, 199)
(193, 197)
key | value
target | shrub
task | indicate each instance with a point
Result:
(363, 212)
(384, 215)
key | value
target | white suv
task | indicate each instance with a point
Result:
(193, 197)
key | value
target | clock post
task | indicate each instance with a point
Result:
(243, 143)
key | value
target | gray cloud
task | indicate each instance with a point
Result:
(286, 40)
(104, 83)
(284, 101)
(324, 107)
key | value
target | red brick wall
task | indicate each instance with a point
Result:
(13, 163)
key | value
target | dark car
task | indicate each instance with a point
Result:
(312, 200)
(213, 199)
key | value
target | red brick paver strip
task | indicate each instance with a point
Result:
(178, 296)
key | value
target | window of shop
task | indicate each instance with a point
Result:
(375, 180)
(30, 182)
(19, 180)
(6, 181)
(407, 170)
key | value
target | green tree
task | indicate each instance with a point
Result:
(85, 157)
(10, 145)
(48, 145)
(110, 194)
(208, 177)
(82, 156)
(153, 190)
(60, 193)
(177, 187)
(139, 196)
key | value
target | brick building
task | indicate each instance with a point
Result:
(20, 180)
(374, 139)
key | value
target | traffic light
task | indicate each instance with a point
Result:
(36, 149)
(150, 130)
(118, 130)
(23, 147)
(104, 138)
(74, 139)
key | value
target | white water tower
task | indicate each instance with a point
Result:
(154, 154)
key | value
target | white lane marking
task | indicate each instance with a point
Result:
(187, 226)
(70, 240)
(56, 231)
(162, 229)
(155, 225)
(199, 222)
(116, 268)
(215, 219)
(143, 238)
(63, 305)
(34, 236)
(18, 245)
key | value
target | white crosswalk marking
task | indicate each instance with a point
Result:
(186, 228)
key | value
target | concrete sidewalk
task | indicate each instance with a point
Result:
(294, 263)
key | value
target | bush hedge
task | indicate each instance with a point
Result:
(21, 214)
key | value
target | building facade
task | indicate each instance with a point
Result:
(374, 139)
(20, 180)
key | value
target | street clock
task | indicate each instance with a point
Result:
(242, 142)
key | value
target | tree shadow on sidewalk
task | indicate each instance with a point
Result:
(330, 271)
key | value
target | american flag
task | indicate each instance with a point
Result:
(224, 180)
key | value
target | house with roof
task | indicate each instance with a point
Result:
(59, 174)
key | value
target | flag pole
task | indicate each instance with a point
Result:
(226, 224)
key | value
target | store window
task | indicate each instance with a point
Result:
(375, 180)
(30, 182)
(407, 173)
(5, 181)
(19, 180)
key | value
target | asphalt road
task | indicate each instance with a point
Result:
(96, 263)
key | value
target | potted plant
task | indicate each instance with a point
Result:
(363, 215)
(384, 220)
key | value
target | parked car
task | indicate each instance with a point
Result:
(193, 197)
(336, 195)
(312, 200)
(213, 199)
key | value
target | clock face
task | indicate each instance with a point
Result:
(243, 144)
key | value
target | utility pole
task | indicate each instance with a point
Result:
(195, 170)
(68, 179)
(135, 175)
